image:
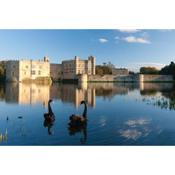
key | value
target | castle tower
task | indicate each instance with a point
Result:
(76, 64)
(93, 64)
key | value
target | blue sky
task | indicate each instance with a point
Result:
(125, 48)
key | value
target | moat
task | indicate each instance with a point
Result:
(118, 114)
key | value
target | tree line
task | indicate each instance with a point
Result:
(166, 70)
(2, 70)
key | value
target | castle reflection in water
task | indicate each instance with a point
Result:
(71, 93)
(26, 93)
(34, 93)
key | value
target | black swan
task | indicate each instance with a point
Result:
(76, 120)
(78, 124)
(49, 118)
(50, 115)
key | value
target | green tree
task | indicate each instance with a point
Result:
(2, 70)
(169, 69)
(149, 70)
(103, 70)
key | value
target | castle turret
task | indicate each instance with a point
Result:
(76, 64)
(46, 59)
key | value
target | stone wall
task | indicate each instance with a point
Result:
(12, 71)
(98, 78)
(131, 78)
(55, 72)
(128, 78)
(82, 78)
(120, 71)
(68, 69)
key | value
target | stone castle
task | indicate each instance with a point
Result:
(77, 69)
(22, 70)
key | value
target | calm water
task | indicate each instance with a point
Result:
(118, 114)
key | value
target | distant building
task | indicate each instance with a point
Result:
(20, 70)
(120, 71)
(72, 68)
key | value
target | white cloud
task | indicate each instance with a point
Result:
(135, 129)
(131, 134)
(103, 40)
(133, 39)
(129, 30)
(137, 122)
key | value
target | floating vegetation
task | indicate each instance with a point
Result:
(160, 101)
(4, 137)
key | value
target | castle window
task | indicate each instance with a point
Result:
(39, 72)
(33, 72)
(26, 66)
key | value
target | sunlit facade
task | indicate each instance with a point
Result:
(21, 70)
(72, 68)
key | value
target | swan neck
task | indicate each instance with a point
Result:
(49, 108)
(85, 110)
